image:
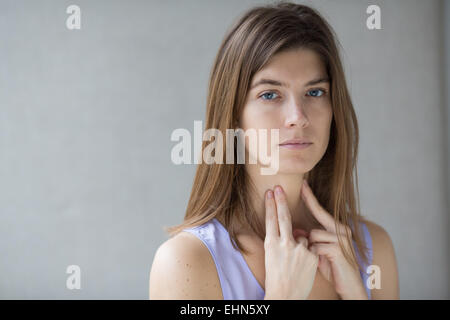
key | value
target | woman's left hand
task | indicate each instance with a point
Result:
(332, 263)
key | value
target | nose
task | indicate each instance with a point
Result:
(296, 115)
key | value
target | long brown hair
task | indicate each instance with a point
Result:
(221, 189)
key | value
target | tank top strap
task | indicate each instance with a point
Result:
(236, 279)
(363, 266)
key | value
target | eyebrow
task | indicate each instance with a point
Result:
(281, 84)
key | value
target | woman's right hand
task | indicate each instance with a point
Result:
(290, 266)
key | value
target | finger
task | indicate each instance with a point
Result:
(313, 249)
(283, 213)
(271, 215)
(324, 218)
(328, 250)
(302, 240)
(318, 235)
(284, 216)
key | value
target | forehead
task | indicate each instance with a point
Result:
(298, 65)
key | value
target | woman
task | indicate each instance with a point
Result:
(278, 68)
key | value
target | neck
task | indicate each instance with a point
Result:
(291, 184)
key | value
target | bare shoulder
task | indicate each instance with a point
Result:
(374, 228)
(380, 237)
(183, 268)
(384, 257)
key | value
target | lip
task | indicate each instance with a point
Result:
(292, 141)
(295, 146)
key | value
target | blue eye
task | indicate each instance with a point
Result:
(268, 95)
(316, 93)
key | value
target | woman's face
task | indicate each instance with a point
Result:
(292, 94)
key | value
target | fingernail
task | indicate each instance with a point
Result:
(278, 190)
(270, 194)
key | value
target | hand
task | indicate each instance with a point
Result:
(332, 263)
(290, 266)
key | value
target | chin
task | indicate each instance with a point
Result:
(293, 168)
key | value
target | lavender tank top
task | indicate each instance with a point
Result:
(236, 279)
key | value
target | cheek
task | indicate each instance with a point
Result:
(258, 118)
(322, 114)
(325, 126)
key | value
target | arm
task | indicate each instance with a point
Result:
(183, 268)
(384, 257)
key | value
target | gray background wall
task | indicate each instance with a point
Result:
(86, 117)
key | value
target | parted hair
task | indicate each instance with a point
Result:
(224, 189)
